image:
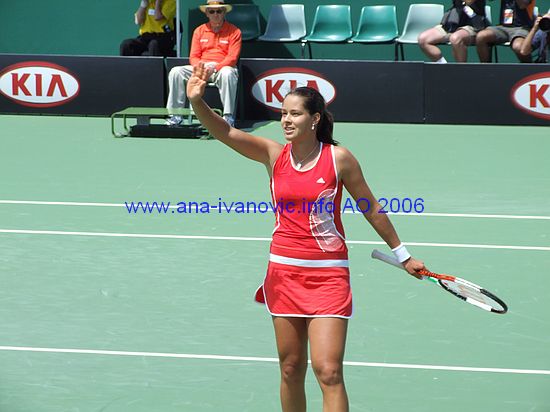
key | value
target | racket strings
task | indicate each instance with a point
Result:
(475, 295)
(467, 291)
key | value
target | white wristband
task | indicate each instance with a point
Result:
(401, 253)
(144, 4)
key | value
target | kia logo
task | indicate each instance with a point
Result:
(271, 87)
(38, 84)
(532, 95)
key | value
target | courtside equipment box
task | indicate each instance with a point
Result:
(190, 128)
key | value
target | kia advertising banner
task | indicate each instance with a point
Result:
(356, 91)
(79, 85)
(500, 94)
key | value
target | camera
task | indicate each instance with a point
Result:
(544, 24)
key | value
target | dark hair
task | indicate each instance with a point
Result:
(314, 102)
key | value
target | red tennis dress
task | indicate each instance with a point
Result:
(308, 271)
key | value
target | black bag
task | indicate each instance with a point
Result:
(451, 20)
(478, 22)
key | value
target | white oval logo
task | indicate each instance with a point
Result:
(38, 84)
(271, 87)
(532, 95)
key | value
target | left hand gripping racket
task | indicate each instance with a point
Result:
(467, 291)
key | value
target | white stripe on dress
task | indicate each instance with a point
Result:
(309, 263)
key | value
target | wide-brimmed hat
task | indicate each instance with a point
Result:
(215, 4)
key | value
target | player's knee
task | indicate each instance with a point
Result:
(293, 370)
(329, 373)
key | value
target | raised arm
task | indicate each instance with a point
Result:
(256, 148)
(139, 16)
(355, 183)
(527, 44)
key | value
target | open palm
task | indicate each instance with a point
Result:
(197, 83)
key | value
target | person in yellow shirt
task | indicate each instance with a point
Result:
(157, 36)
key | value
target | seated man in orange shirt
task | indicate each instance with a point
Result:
(217, 44)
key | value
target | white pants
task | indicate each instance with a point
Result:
(225, 80)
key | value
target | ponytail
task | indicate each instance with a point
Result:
(325, 128)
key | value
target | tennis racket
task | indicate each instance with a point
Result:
(467, 291)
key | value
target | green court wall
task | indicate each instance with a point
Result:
(97, 28)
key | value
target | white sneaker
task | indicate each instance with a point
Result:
(174, 120)
(229, 119)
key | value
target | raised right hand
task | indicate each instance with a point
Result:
(197, 82)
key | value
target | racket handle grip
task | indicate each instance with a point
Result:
(376, 254)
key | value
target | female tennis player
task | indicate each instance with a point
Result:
(307, 288)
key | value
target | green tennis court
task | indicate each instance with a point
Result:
(106, 310)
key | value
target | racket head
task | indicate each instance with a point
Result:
(461, 288)
(474, 294)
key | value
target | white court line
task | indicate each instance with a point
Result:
(428, 214)
(39, 202)
(134, 235)
(272, 360)
(469, 215)
(259, 239)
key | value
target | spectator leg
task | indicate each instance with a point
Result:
(132, 47)
(227, 80)
(460, 40)
(516, 47)
(484, 40)
(177, 84)
(153, 48)
(428, 40)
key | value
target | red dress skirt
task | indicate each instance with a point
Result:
(296, 291)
